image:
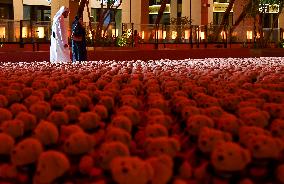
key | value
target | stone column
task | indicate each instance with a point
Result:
(173, 9)
(195, 10)
(18, 10)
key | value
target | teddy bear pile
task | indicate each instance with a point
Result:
(193, 121)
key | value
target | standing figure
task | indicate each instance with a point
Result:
(59, 49)
(79, 51)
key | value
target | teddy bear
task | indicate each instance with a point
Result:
(51, 166)
(277, 128)
(118, 134)
(85, 101)
(230, 102)
(164, 120)
(67, 130)
(109, 150)
(78, 143)
(275, 110)
(14, 96)
(204, 100)
(47, 133)
(89, 120)
(40, 109)
(209, 138)
(30, 100)
(108, 102)
(131, 100)
(15, 128)
(73, 112)
(58, 118)
(247, 132)
(7, 143)
(28, 119)
(122, 122)
(228, 162)
(26, 152)
(3, 101)
(163, 168)
(74, 100)
(159, 103)
(161, 145)
(5, 115)
(101, 110)
(266, 152)
(17, 108)
(129, 170)
(279, 174)
(258, 118)
(58, 101)
(27, 91)
(195, 123)
(153, 112)
(156, 130)
(229, 123)
(188, 111)
(131, 113)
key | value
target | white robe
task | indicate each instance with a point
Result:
(59, 37)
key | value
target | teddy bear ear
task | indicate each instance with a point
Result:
(246, 155)
(227, 136)
(174, 144)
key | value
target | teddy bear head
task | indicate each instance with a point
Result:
(131, 113)
(47, 133)
(229, 123)
(78, 143)
(3, 101)
(277, 128)
(89, 120)
(40, 109)
(118, 134)
(17, 108)
(73, 112)
(28, 119)
(58, 118)
(156, 130)
(6, 144)
(209, 138)
(129, 170)
(247, 132)
(101, 110)
(15, 128)
(67, 130)
(164, 120)
(195, 123)
(265, 147)
(163, 168)
(258, 118)
(229, 156)
(26, 152)
(5, 115)
(109, 150)
(188, 111)
(162, 145)
(153, 112)
(122, 122)
(131, 100)
(51, 165)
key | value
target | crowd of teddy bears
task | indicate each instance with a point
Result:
(202, 121)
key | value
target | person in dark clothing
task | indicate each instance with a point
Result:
(78, 36)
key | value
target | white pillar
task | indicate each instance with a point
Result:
(195, 10)
(173, 9)
(210, 12)
(135, 11)
(85, 14)
(18, 10)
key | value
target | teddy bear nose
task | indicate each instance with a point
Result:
(204, 143)
(256, 147)
(220, 158)
(14, 152)
(124, 170)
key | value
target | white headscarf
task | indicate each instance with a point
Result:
(59, 13)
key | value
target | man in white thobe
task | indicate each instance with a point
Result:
(59, 49)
